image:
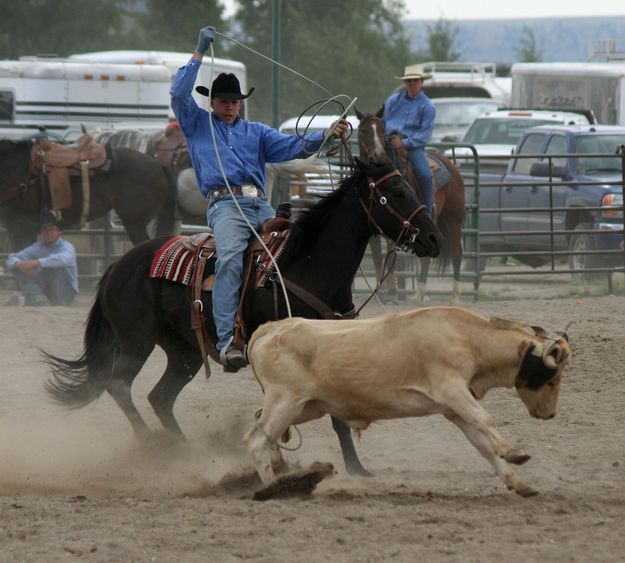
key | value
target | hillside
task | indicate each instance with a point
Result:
(558, 39)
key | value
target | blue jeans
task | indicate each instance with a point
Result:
(232, 235)
(424, 175)
(54, 283)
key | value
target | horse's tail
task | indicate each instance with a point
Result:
(166, 218)
(444, 256)
(76, 383)
(450, 222)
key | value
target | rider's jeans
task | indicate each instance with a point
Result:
(231, 238)
(424, 175)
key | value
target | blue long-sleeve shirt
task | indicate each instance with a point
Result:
(413, 118)
(244, 146)
(60, 254)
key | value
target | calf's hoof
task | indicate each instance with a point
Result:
(525, 491)
(517, 457)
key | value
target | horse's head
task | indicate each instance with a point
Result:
(371, 137)
(393, 209)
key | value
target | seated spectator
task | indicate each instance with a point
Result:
(46, 271)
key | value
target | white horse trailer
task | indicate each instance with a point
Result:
(62, 94)
(460, 79)
(172, 61)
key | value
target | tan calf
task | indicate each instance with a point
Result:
(437, 360)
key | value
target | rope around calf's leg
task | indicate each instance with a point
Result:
(271, 440)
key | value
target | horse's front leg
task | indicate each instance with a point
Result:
(424, 268)
(350, 457)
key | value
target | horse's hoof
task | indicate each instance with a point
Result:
(359, 471)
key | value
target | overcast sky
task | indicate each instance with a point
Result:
(483, 9)
(476, 9)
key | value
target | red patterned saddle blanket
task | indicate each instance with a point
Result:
(176, 260)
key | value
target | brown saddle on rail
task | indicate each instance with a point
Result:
(170, 146)
(59, 162)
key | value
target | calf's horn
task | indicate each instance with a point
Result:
(553, 355)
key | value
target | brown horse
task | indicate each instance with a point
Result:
(448, 200)
(134, 186)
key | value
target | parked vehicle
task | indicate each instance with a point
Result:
(312, 176)
(599, 87)
(172, 61)
(455, 115)
(475, 80)
(61, 94)
(591, 215)
(496, 134)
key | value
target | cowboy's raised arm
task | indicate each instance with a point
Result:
(182, 102)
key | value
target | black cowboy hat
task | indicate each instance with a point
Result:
(226, 87)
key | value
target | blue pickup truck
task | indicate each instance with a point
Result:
(586, 196)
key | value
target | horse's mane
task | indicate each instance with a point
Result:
(312, 220)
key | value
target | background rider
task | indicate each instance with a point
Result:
(409, 115)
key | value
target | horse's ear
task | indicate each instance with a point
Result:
(359, 115)
(380, 112)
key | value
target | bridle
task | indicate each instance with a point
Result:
(409, 232)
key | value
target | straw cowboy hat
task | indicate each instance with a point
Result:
(412, 72)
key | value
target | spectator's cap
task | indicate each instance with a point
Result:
(414, 72)
(46, 219)
(226, 87)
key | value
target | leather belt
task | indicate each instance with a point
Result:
(246, 190)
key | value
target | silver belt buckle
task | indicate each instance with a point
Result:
(249, 190)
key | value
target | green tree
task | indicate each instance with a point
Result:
(528, 50)
(168, 26)
(441, 39)
(30, 27)
(353, 47)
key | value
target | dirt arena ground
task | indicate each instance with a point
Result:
(76, 486)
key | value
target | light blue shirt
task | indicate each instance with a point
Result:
(244, 146)
(61, 254)
(413, 118)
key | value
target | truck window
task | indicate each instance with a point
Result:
(557, 145)
(531, 145)
(7, 105)
(606, 144)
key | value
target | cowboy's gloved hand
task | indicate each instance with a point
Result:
(205, 38)
(339, 128)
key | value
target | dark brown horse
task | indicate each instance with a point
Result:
(135, 186)
(169, 148)
(132, 312)
(448, 199)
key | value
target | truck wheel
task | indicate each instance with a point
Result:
(580, 262)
